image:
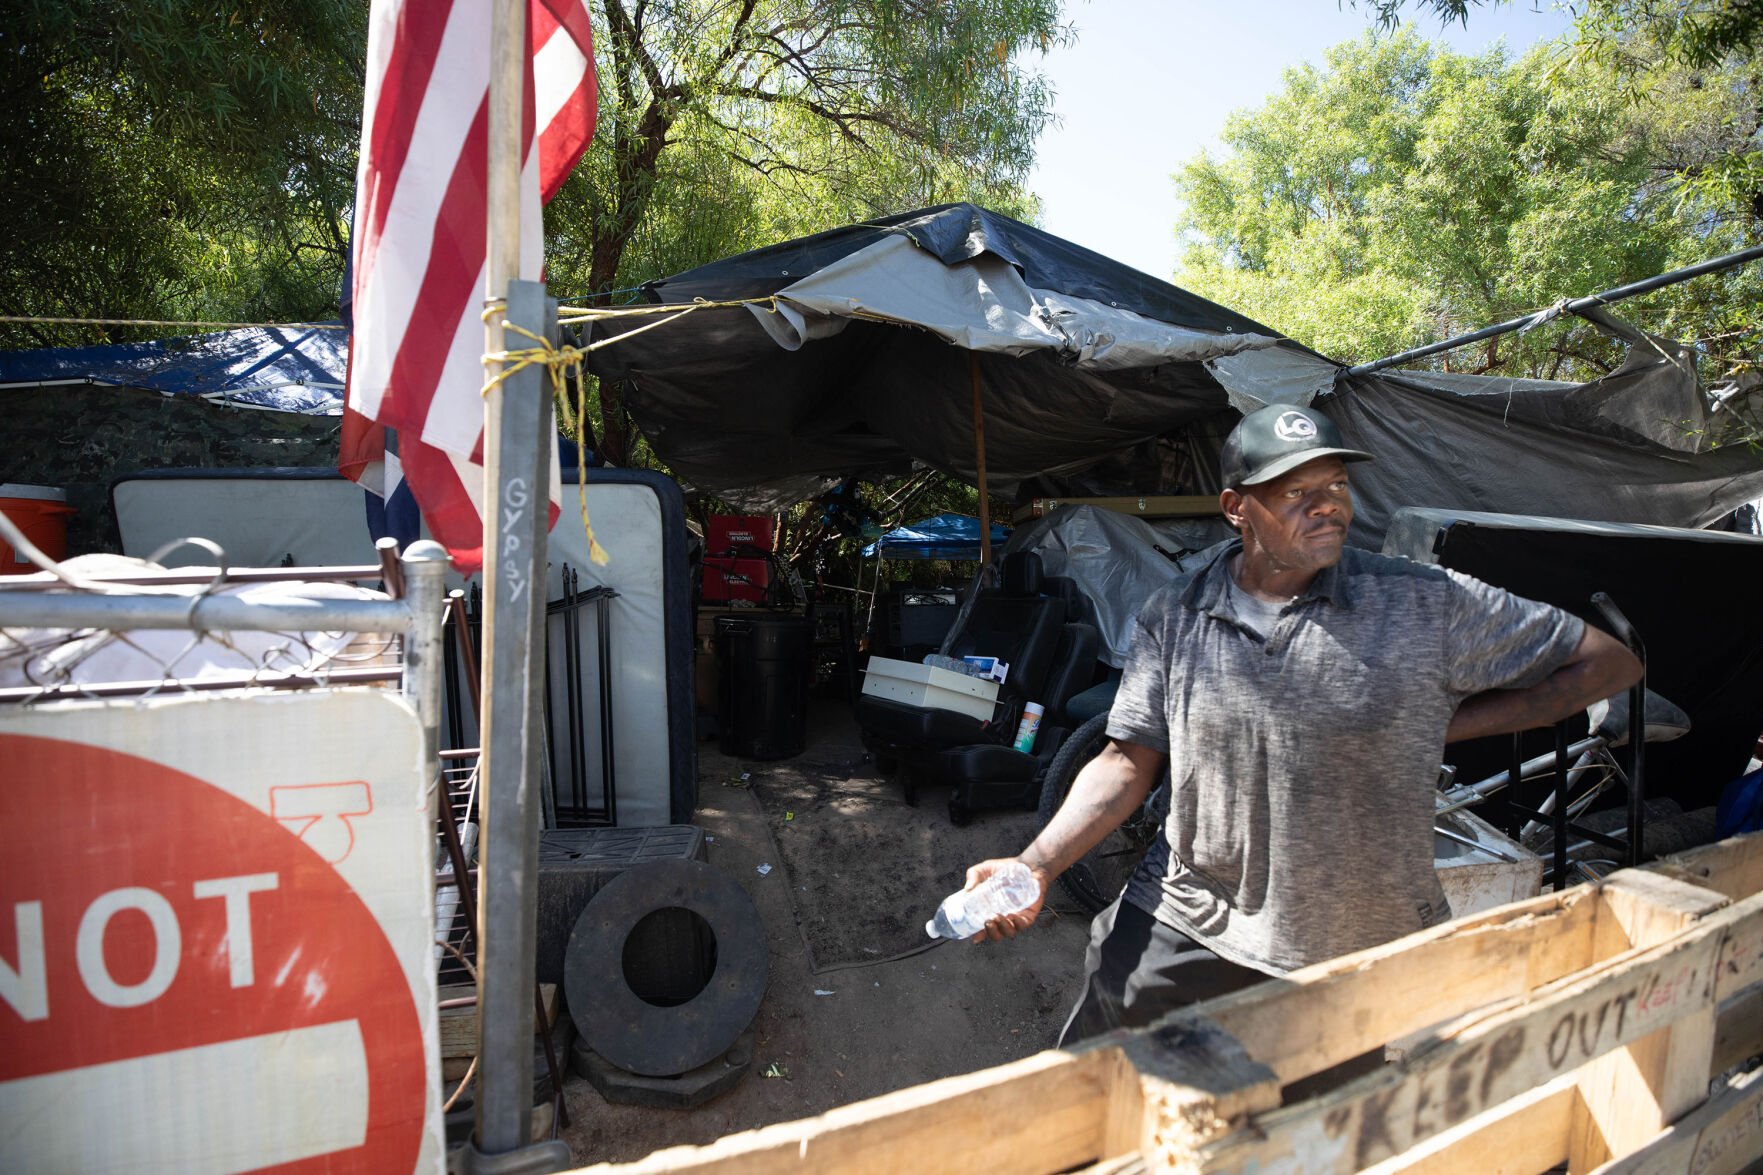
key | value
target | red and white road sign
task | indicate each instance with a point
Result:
(189, 980)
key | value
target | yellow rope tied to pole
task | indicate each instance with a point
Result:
(560, 362)
(563, 361)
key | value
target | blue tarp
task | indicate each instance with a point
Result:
(287, 369)
(946, 536)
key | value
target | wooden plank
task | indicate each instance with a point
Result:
(458, 1026)
(1642, 909)
(1628, 1096)
(1733, 866)
(1196, 1084)
(1738, 1029)
(1123, 1122)
(1457, 1089)
(1323, 1015)
(1521, 1137)
(1042, 1114)
(1741, 956)
(1723, 1136)
(1564, 1026)
(1146, 506)
(1164, 1090)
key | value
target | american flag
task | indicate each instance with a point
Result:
(418, 253)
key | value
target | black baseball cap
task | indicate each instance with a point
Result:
(1277, 439)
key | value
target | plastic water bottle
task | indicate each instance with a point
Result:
(965, 912)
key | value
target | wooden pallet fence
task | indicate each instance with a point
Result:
(1581, 1027)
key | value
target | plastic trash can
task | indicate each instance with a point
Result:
(763, 685)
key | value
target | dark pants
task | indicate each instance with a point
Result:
(1138, 969)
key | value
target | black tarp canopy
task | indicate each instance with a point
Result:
(851, 354)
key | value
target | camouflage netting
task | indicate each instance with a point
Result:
(83, 438)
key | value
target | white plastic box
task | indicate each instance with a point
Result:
(929, 688)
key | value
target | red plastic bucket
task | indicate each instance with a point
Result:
(41, 512)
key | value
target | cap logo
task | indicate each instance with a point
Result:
(1294, 426)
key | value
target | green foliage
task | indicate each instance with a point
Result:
(1404, 193)
(165, 160)
(1699, 34)
(724, 127)
(171, 161)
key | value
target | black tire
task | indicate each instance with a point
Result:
(1100, 874)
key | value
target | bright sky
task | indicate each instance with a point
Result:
(1148, 85)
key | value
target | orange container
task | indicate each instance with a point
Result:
(41, 512)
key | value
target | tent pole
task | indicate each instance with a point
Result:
(979, 460)
(1577, 305)
(874, 590)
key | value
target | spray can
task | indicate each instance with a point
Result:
(1029, 727)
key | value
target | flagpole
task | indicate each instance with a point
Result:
(517, 428)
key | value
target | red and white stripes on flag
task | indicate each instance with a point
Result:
(416, 355)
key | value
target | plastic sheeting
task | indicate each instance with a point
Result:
(285, 369)
(860, 363)
(865, 367)
(1548, 449)
(1115, 561)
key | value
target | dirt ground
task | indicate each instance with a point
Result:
(853, 874)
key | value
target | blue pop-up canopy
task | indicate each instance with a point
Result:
(282, 368)
(945, 536)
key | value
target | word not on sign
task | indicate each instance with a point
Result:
(216, 959)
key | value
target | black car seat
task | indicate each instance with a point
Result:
(1019, 623)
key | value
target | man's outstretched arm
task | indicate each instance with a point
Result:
(1598, 667)
(1111, 787)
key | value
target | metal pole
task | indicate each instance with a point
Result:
(979, 458)
(1645, 286)
(1559, 815)
(201, 613)
(425, 580)
(516, 478)
(1637, 726)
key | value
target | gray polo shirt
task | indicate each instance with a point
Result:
(1302, 764)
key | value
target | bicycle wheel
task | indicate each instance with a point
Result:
(1097, 878)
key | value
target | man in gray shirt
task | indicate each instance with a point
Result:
(1301, 694)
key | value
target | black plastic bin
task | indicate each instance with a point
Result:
(763, 684)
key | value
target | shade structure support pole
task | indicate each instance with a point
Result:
(979, 461)
(1576, 306)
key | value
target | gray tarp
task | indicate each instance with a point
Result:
(864, 366)
(1115, 561)
(858, 363)
(1439, 447)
